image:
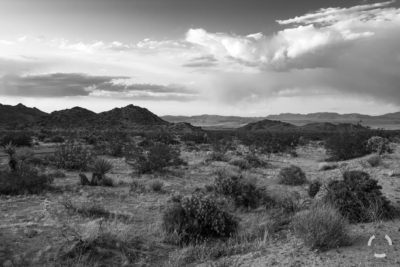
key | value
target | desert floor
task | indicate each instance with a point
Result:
(32, 228)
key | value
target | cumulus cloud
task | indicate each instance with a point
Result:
(315, 43)
(77, 84)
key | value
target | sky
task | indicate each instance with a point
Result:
(192, 57)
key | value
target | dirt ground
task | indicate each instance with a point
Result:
(31, 227)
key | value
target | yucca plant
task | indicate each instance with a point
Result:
(23, 154)
(99, 168)
(10, 149)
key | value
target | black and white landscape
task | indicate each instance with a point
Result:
(199, 133)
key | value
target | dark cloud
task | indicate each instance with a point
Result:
(201, 62)
(77, 84)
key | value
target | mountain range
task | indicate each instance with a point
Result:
(388, 121)
(137, 118)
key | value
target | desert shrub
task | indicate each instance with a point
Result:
(156, 158)
(137, 186)
(216, 156)
(322, 227)
(198, 217)
(358, 197)
(156, 185)
(47, 140)
(17, 139)
(241, 163)
(314, 188)
(41, 137)
(243, 191)
(324, 166)
(72, 156)
(292, 175)
(348, 144)
(57, 139)
(374, 160)
(379, 145)
(255, 161)
(25, 179)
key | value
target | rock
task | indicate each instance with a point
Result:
(8, 263)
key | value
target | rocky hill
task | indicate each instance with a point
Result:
(19, 114)
(68, 118)
(268, 125)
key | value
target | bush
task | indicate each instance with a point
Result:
(379, 145)
(255, 161)
(156, 158)
(101, 165)
(25, 180)
(17, 139)
(324, 166)
(72, 156)
(292, 175)
(156, 185)
(314, 188)
(198, 217)
(241, 163)
(348, 144)
(56, 174)
(374, 160)
(359, 198)
(243, 191)
(322, 227)
(57, 139)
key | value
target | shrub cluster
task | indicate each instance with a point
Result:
(314, 188)
(359, 198)
(198, 217)
(292, 175)
(25, 179)
(17, 139)
(156, 157)
(243, 164)
(348, 144)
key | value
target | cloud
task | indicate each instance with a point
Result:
(5, 42)
(77, 84)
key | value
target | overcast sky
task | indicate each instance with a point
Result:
(191, 57)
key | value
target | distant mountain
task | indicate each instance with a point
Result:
(391, 120)
(328, 127)
(213, 120)
(19, 114)
(269, 125)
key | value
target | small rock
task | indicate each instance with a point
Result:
(8, 263)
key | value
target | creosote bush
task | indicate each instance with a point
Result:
(359, 198)
(374, 160)
(72, 156)
(198, 217)
(156, 157)
(292, 175)
(322, 227)
(314, 188)
(244, 191)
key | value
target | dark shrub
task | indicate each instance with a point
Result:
(359, 198)
(156, 158)
(25, 180)
(41, 137)
(241, 163)
(380, 145)
(314, 188)
(17, 139)
(292, 175)
(198, 217)
(255, 161)
(348, 144)
(243, 191)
